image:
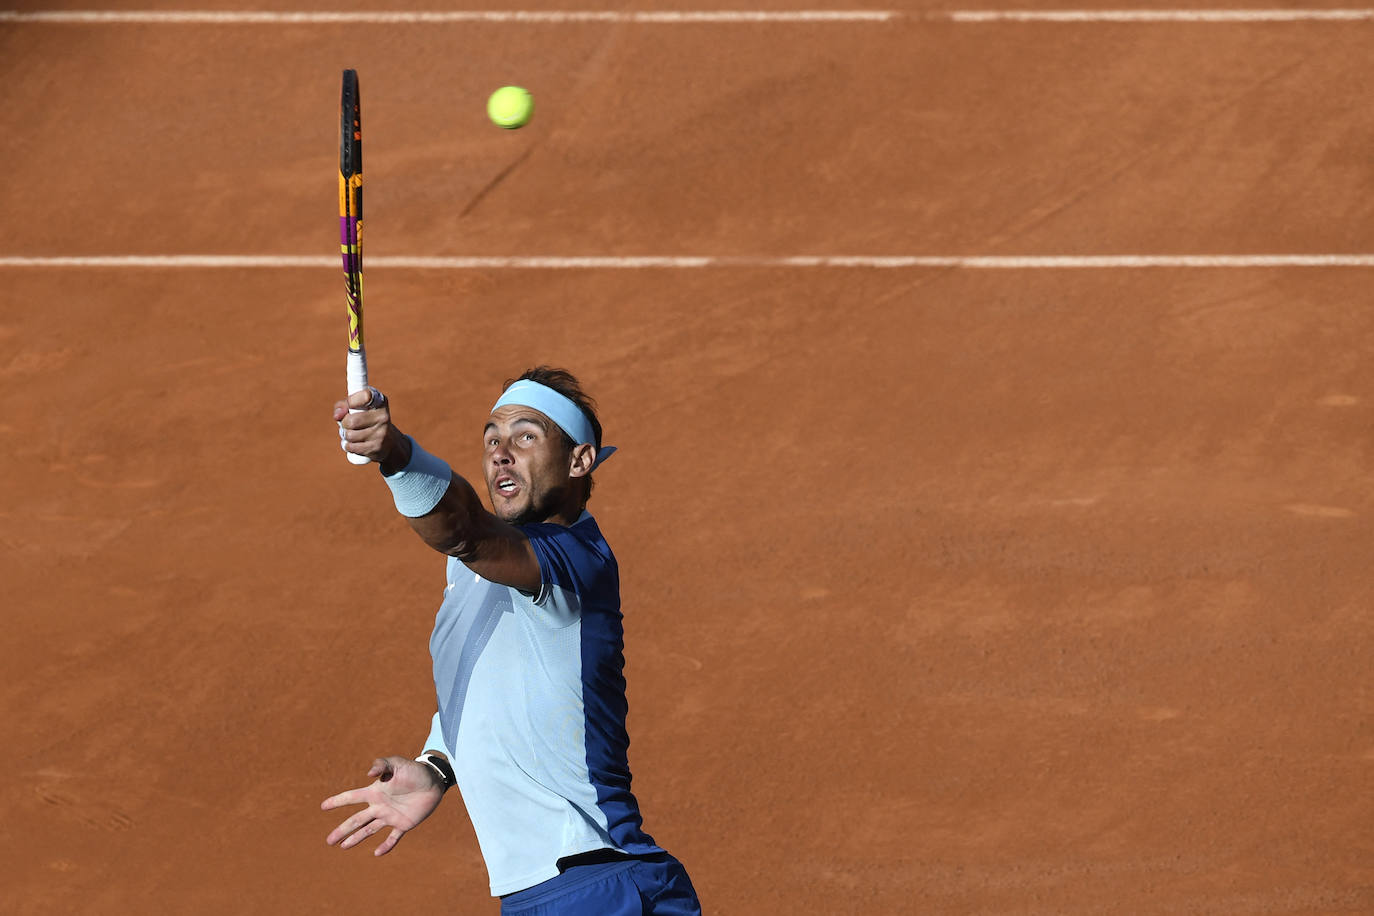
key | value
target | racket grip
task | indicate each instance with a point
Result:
(357, 381)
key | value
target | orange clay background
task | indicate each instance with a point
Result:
(949, 591)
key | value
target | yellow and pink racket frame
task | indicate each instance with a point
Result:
(351, 229)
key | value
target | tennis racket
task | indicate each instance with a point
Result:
(351, 230)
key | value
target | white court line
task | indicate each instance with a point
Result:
(975, 262)
(668, 17)
(246, 17)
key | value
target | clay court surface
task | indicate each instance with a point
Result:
(947, 590)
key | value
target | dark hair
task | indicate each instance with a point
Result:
(566, 384)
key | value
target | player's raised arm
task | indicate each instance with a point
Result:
(440, 505)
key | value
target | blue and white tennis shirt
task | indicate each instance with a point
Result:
(532, 708)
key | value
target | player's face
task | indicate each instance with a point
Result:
(525, 461)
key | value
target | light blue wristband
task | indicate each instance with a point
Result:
(418, 487)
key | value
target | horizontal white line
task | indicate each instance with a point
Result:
(285, 17)
(976, 262)
(547, 263)
(234, 17)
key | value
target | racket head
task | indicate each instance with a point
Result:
(351, 203)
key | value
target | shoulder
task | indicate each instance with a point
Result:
(575, 557)
(583, 534)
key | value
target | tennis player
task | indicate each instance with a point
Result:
(527, 649)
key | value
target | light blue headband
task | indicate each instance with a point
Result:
(559, 409)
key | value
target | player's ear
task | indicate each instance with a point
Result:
(581, 459)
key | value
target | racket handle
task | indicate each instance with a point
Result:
(357, 381)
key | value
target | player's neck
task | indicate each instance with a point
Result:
(568, 514)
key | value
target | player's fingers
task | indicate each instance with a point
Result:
(364, 444)
(367, 399)
(348, 830)
(377, 419)
(362, 833)
(382, 770)
(390, 842)
(358, 433)
(343, 799)
(367, 438)
(360, 419)
(338, 833)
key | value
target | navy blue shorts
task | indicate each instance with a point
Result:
(656, 885)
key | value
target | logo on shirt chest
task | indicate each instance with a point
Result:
(452, 585)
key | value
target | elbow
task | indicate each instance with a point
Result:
(461, 539)
(455, 527)
(464, 550)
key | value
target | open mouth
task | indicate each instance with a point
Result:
(507, 486)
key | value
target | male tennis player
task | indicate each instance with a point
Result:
(527, 663)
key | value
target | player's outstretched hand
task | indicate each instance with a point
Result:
(404, 794)
(365, 427)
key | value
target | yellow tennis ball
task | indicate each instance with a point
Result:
(510, 107)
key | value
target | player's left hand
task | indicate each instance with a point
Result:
(404, 794)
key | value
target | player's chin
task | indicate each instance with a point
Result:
(513, 511)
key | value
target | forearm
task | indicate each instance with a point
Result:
(440, 506)
(453, 525)
(445, 511)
